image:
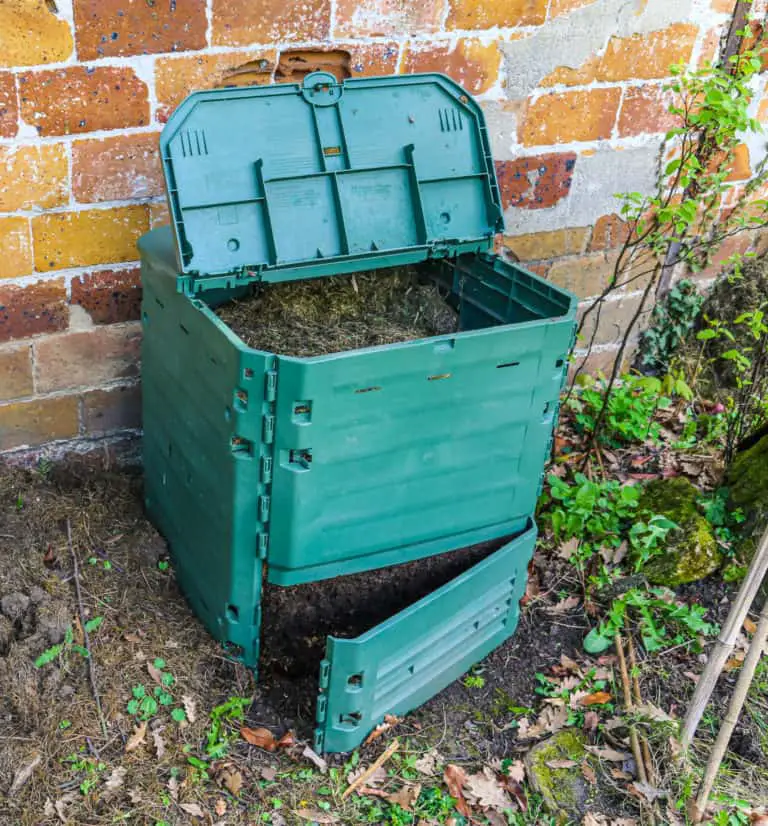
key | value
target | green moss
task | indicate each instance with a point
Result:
(691, 552)
(564, 791)
(747, 483)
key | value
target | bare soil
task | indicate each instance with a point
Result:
(49, 719)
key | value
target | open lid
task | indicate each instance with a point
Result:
(299, 180)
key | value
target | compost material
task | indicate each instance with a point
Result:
(332, 315)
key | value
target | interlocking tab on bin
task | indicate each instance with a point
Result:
(302, 180)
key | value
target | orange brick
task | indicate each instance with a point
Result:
(570, 116)
(87, 358)
(645, 110)
(30, 34)
(585, 276)
(16, 372)
(95, 236)
(33, 176)
(471, 63)
(176, 77)
(488, 14)
(38, 421)
(762, 110)
(109, 296)
(238, 23)
(739, 165)
(734, 245)
(15, 247)
(377, 18)
(558, 7)
(638, 57)
(110, 28)
(79, 99)
(723, 6)
(9, 110)
(32, 309)
(105, 411)
(543, 245)
(710, 48)
(610, 232)
(119, 168)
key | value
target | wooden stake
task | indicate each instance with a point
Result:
(732, 714)
(725, 642)
(377, 763)
(634, 742)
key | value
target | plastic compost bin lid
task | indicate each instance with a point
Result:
(302, 180)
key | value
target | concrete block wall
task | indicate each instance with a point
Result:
(571, 89)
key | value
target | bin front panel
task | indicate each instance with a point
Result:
(394, 453)
(401, 663)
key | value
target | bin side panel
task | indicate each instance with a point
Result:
(202, 407)
(411, 450)
(404, 661)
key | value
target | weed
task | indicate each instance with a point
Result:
(224, 726)
(671, 321)
(81, 764)
(144, 704)
(629, 415)
(68, 646)
(661, 620)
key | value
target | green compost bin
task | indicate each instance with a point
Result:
(301, 469)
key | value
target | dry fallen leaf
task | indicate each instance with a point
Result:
(159, 743)
(260, 737)
(427, 763)
(155, 673)
(61, 804)
(454, 777)
(173, 788)
(221, 807)
(691, 676)
(568, 664)
(115, 779)
(596, 698)
(516, 771)
(611, 755)
(567, 604)
(406, 796)
(653, 712)
(645, 791)
(589, 773)
(129, 636)
(192, 809)
(389, 721)
(568, 549)
(590, 721)
(618, 774)
(232, 780)
(551, 719)
(23, 774)
(268, 773)
(137, 738)
(485, 790)
(189, 708)
(374, 780)
(286, 741)
(561, 764)
(316, 815)
(750, 627)
(315, 758)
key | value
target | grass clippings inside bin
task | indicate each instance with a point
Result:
(332, 315)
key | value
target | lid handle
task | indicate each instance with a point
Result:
(321, 89)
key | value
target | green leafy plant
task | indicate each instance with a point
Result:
(145, 704)
(671, 321)
(681, 222)
(89, 768)
(225, 720)
(62, 649)
(628, 414)
(662, 621)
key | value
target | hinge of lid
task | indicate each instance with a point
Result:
(270, 390)
(268, 433)
(266, 469)
(263, 545)
(263, 508)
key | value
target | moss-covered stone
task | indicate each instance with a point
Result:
(747, 482)
(691, 551)
(565, 791)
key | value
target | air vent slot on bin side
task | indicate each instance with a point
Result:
(193, 143)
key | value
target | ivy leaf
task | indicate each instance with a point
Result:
(595, 642)
(49, 655)
(93, 624)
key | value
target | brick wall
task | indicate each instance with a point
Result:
(571, 89)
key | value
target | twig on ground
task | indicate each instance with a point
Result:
(86, 638)
(726, 641)
(732, 715)
(634, 742)
(649, 770)
(377, 764)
